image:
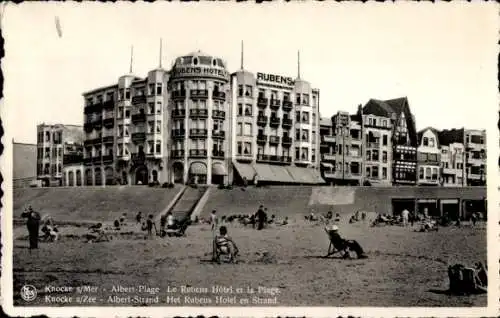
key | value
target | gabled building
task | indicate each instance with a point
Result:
(404, 137)
(429, 157)
(452, 158)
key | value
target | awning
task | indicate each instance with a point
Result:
(327, 164)
(218, 169)
(198, 168)
(244, 170)
(281, 174)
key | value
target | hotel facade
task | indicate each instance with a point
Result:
(199, 123)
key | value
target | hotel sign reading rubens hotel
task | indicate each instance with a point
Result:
(198, 71)
(272, 79)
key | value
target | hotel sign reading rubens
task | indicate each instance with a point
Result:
(200, 71)
(273, 79)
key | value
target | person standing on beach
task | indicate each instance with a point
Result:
(33, 225)
(405, 216)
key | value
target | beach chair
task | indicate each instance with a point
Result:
(333, 249)
(222, 254)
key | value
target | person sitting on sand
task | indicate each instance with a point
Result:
(225, 244)
(116, 225)
(341, 243)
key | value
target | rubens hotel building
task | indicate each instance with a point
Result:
(198, 123)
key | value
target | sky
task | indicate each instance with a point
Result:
(441, 56)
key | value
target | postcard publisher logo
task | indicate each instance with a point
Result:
(28, 292)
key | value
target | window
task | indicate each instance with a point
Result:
(274, 95)
(384, 156)
(305, 154)
(248, 91)
(297, 117)
(248, 129)
(384, 173)
(305, 99)
(262, 93)
(314, 119)
(375, 155)
(240, 90)
(384, 140)
(305, 117)
(239, 130)
(313, 137)
(305, 135)
(248, 110)
(240, 109)
(127, 113)
(297, 153)
(368, 155)
(247, 149)
(127, 93)
(355, 168)
(151, 125)
(431, 142)
(315, 101)
(158, 127)
(297, 99)
(368, 171)
(158, 107)
(286, 96)
(151, 108)
(158, 146)
(374, 172)
(421, 173)
(297, 134)
(434, 174)
(239, 147)
(313, 155)
(427, 173)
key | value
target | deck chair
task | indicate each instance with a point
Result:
(220, 254)
(343, 250)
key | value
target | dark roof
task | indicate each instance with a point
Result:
(391, 107)
(434, 130)
(449, 136)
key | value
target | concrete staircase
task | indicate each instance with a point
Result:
(187, 202)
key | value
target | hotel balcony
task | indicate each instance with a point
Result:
(109, 122)
(274, 159)
(97, 159)
(218, 134)
(275, 122)
(198, 112)
(261, 139)
(198, 133)
(219, 114)
(94, 108)
(178, 133)
(219, 95)
(262, 102)
(198, 93)
(137, 100)
(274, 140)
(87, 161)
(327, 157)
(262, 120)
(328, 139)
(138, 159)
(109, 104)
(138, 118)
(287, 105)
(286, 141)
(88, 126)
(197, 153)
(138, 137)
(107, 139)
(218, 154)
(178, 113)
(275, 104)
(177, 154)
(286, 123)
(107, 158)
(180, 94)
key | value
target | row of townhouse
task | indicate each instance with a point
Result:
(380, 146)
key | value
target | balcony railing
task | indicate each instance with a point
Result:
(87, 160)
(261, 139)
(218, 154)
(108, 139)
(219, 114)
(275, 103)
(180, 94)
(286, 123)
(262, 120)
(197, 153)
(287, 105)
(198, 133)
(219, 134)
(109, 104)
(138, 118)
(94, 108)
(109, 122)
(274, 140)
(178, 133)
(107, 158)
(138, 137)
(141, 99)
(328, 139)
(328, 157)
(274, 158)
(198, 112)
(275, 122)
(178, 113)
(262, 102)
(219, 95)
(179, 153)
(286, 141)
(68, 159)
(199, 93)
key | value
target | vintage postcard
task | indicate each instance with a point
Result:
(237, 159)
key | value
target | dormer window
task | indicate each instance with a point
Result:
(195, 61)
